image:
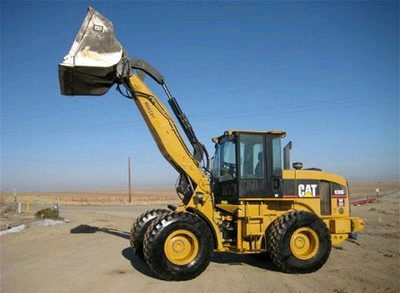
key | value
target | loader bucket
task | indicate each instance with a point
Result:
(90, 66)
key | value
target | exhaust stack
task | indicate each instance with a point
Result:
(286, 155)
(90, 68)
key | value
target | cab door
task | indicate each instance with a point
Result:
(251, 153)
(224, 174)
(274, 165)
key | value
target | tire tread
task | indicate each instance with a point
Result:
(276, 234)
(140, 226)
(153, 246)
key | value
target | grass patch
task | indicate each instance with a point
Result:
(48, 213)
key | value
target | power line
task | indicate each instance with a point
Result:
(72, 162)
(28, 160)
(274, 110)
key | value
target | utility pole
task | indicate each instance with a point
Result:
(15, 200)
(129, 180)
(377, 191)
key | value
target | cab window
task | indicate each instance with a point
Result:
(252, 157)
(224, 165)
(276, 156)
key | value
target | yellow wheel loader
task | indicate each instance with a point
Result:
(248, 201)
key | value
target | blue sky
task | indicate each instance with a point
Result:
(325, 72)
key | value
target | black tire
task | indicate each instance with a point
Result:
(155, 251)
(279, 235)
(139, 228)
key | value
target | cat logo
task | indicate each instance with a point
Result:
(307, 190)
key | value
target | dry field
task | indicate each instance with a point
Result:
(367, 188)
(156, 195)
(139, 196)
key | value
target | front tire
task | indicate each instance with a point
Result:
(178, 246)
(298, 242)
(139, 228)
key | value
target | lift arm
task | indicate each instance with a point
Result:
(164, 130)
(199, 149)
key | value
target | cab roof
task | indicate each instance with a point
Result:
(236, 131)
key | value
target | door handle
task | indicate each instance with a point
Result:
(276, 183)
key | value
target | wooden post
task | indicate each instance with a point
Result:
(15, 200)
(129, 180)
(377, 190)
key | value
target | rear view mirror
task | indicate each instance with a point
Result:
(90, 68)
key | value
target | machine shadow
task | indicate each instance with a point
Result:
(137, 263)
(261, 261)
(221, 258)
(87, 229)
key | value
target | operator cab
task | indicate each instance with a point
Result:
(247, 164)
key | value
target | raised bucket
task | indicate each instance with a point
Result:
(90, 66)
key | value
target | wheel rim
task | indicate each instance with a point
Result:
(304, 243)
(181, 247)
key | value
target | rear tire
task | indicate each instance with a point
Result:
(298, 242)
(139, 228)
(178, 246)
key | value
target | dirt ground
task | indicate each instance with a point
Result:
(91, 254)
